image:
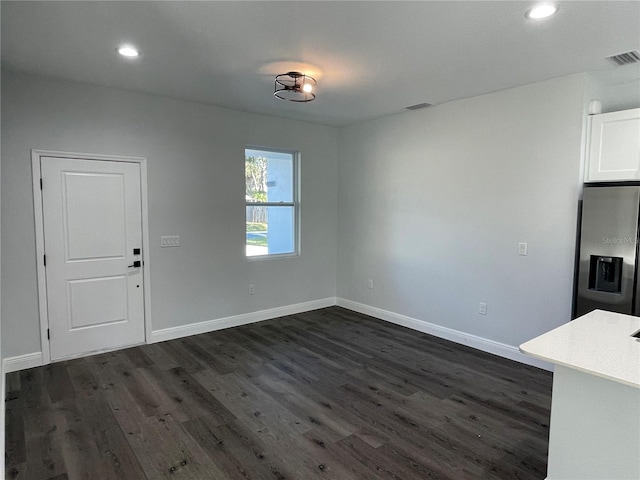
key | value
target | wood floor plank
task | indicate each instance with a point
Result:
(339, 462)
(326, 394)
(42, 430)
(137, 357)
(168, 399)
(323, 398)
(321, 417)
(43, 444)
(15, 448)
(206, 357)
(166, 450)
(95, 442)
(198, 399)
(233, 452)
(57, 382)
(252, 407)
(12, 383)
(384, 463)
(159, 356)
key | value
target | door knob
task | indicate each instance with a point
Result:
(136, 264)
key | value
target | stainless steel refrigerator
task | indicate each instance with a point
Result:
(608, 258)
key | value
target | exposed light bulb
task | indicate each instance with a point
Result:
(541, 11)
(128, 51)
(307, 87)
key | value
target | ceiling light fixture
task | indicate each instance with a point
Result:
(541, 11)
(128, 51)
(294, 87)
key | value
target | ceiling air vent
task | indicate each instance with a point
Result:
(418, 106)
(625, 58)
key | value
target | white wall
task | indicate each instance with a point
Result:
(196, 190)
(434, 202)
(616, 89)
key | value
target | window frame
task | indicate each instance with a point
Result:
(295, 203)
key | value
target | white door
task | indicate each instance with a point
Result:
(92, 215)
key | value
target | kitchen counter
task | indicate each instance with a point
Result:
(595, 409)
(599, 343)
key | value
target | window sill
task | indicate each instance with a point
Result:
(273, 256)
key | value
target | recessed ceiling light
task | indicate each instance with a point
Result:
(541, 11)
(128, 51)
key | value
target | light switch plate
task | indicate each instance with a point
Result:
(170, 241)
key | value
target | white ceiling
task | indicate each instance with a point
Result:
(370, 58)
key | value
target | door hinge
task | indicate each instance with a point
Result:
(48, 335)
(45, 260)
(40, 184)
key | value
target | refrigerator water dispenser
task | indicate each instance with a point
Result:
(605, 274)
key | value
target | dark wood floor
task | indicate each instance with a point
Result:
(326, 394)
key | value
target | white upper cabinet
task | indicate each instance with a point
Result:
(613, 153)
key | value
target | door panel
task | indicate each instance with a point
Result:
(92, 222)
(88, 309)
(89, 196)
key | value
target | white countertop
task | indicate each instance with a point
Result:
(599, 343)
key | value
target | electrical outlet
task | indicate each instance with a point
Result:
(482, 308)
(522, 248)
(170, 241)
(252, 289)
(370, 284)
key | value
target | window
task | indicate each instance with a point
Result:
(272, 203)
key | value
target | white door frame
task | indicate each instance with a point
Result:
(36, 156)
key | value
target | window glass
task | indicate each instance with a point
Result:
(271, 202)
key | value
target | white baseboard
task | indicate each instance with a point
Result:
(22, 362)
(237, 320)
(30, 360)
(479, 343)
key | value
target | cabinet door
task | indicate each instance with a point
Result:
(614, 150)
